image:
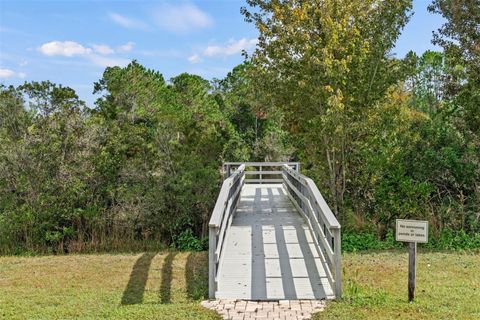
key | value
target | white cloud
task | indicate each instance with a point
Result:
(102, 49)
(231, 48)
(181, 18)
(63, 48)
(7, 73)
(96, 55)
(126, 22)
(126, 47)
(194, 58)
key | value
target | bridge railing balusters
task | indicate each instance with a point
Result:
(325, 227)
(305, 196)
(220, 220)
(263, 172)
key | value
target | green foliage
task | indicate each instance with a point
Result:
(259, 129)
(139, 168)
(454, 240)
(44, 166)
(360, 241)
(427, 82)
(322, 63)
(459, 37)
(186, 241)
(383, 138)
(447, 239)
(411, 165)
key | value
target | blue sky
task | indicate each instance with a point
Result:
(71, 42)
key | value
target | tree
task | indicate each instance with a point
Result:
(245, 106)
(460, 39)
(162, 150)
(427, 83)
(140, 168)
(45, 164)
(323, 63)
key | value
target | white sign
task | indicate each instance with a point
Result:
(411, 231)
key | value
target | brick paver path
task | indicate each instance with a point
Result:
(278, 310)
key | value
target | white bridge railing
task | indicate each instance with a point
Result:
(220, 220)
(322, 222)
(260, 172)
(305, 196)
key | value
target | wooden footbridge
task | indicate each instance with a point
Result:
(272, 236)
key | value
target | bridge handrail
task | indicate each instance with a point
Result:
(263, 176)
(220, 221)
(323, 223)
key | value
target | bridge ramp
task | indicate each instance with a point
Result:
(269, 252)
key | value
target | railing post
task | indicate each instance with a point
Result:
(260, 175)
(226, 171)
(212, 264)
(338, 262)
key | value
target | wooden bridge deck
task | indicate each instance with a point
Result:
(269, 251)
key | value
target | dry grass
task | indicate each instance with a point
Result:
(375, 287)
(142, 286)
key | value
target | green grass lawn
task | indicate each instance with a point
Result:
(375, 287)
(143, 286)
(169, 285)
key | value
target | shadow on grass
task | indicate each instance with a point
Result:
(135, 289)
(196, 275)
(166, 285)
(196, 278)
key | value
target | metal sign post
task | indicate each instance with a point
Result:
(411, 231)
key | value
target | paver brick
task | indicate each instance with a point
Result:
(267, 310)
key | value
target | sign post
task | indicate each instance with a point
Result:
(411, 231)
(412, 270)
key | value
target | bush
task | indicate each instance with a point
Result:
(352, 242)
(447, 240)
(186, 241)
(454, 240)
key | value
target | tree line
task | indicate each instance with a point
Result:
(382, 137)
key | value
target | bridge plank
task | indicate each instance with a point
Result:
(269, 251)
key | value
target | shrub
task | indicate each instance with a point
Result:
(455, 240)
(186, 241)
(447, 240)
(352, 242)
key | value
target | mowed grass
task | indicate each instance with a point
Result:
(169, 285)
(166, 285)
(375, 287)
